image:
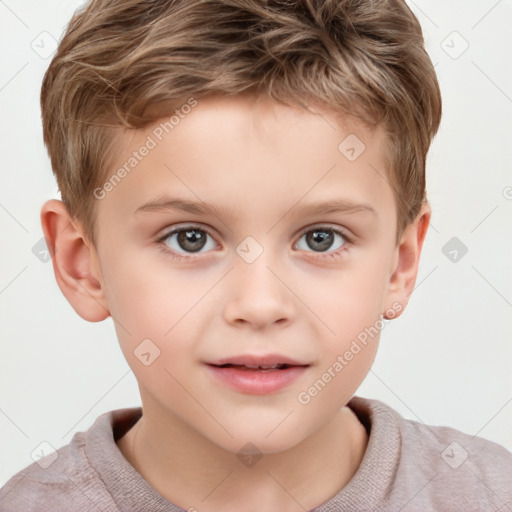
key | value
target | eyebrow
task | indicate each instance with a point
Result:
(164, 204)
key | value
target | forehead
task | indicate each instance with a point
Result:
(248, 154)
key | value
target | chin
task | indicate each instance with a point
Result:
(261, 440)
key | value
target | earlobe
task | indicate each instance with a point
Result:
(75, 271)
(406, 263)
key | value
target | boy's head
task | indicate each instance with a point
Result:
(229, 125)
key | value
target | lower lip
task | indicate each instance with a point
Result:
(257, 382)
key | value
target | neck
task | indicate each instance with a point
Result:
(191, 472)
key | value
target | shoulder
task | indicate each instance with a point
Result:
(60, 481)
(439, 466)
(446, 447)
(473, 472)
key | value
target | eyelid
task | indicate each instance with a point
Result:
(337, 229)
(185, 226)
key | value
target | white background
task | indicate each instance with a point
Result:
(446, 361)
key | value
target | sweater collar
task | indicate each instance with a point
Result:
(365, 491)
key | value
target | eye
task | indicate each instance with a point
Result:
(321, 240)
(187, 240)
(182, 243)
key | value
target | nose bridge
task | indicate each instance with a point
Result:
(257, 295)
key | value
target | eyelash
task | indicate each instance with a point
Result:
(328, 255)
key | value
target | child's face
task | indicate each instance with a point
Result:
(253, 279)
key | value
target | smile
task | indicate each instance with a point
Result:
(256, 380)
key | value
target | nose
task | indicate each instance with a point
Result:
(258, 296)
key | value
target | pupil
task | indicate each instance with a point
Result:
(192, 240)
(322, 237)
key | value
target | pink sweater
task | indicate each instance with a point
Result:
(407, 467)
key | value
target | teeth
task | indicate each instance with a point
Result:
(256, 367)
(263, 367)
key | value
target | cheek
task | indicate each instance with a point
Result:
(149, 296)
(350, 307)
(154, 324)
(151, 301)
(350, 300)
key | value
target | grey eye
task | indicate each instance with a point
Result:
(321, 239)
(189, 240)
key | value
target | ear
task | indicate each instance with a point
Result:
(405, 263)
(75, 262)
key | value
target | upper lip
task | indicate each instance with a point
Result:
(255, 360)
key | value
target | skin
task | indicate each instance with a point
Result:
(259, 162)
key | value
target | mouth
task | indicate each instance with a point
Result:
(243, 367)
(255, 361)
(257, 375)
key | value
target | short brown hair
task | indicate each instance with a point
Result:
(118, 58)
